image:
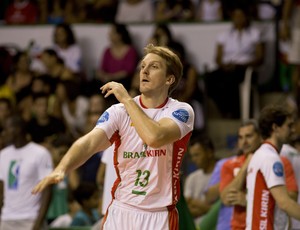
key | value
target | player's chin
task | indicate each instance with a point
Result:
(144, 89)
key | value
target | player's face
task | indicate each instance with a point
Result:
(285, 131)
(248, 139)
(153, 74)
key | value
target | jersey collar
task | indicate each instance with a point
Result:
(158, 107)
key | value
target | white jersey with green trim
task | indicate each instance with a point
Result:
(148, 177)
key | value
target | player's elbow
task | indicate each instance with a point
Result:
(155, 141)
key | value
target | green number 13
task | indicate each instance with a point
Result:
(142, 178)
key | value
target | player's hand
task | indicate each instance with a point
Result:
(235, 197)
(53, 178)
(116, 89)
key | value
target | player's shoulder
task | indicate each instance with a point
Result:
(173, 103)
(6, 150)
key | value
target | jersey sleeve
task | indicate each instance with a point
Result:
(291, 183)
(226, 175)
(107, 155)
(273, 171)
(183, 115)
(108, 121)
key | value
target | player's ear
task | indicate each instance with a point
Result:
(170, 80)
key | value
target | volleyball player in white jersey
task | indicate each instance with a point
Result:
(150, 133)
(266, 187)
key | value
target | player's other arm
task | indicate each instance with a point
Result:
(81, 150)
(284, 202)
(232, 192)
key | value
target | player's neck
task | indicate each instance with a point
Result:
(153, 102)
(274, 142)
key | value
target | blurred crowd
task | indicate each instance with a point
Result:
(58, 104)
(126, 11)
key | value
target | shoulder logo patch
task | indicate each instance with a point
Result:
(104, 117)
(278, 169)
(181, 115)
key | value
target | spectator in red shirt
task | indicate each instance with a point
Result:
(21, 12)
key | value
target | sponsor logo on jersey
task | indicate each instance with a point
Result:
(176, 171)
(147, 153)
(278, 169)
(181, 115)
(263, 222)
(104, 117)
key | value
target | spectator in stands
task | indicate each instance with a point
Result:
(61, 203)
(174, 11)
(202, 154)
(77, 11)
(137, 11)
(87, 172)
(290, 32)
(103, 11)
(53, 11)
(6, 63)
(120, 58)
(6, 110)
(66, 47)
(21, 76)
(71, 106)
(97, 105)
(229, 5)
(19, 84)
(65, 220)
(237, 48)
(87, 195)
(55, 66)
(43, 127)
(209, 11)
(221, 220)
(23, 164)
(21, 12)
(42, 84)
(162, 36)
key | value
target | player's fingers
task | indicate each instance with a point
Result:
(40, 186)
